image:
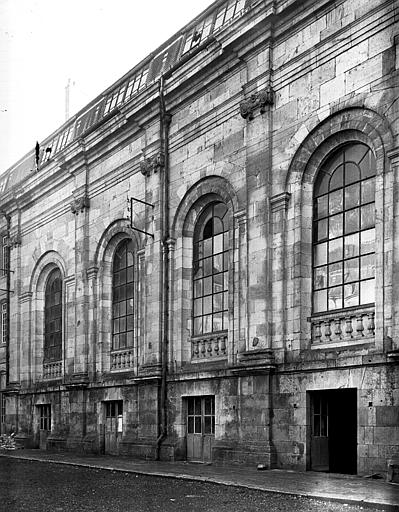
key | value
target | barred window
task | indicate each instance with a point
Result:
(123, 296)
(344, 230)
(53, 317)
(210, 271)
(3, 322)
(45, 416)
(5, 255)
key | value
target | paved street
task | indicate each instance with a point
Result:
(32, 486)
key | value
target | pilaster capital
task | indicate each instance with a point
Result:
(78, 204)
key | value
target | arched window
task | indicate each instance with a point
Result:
(123, 296)
(53, 317)
(210, 271)
(344, 230)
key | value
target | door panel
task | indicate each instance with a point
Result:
(200, 428)
(113, 426)
(319, 448)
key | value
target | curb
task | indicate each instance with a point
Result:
(213, 480)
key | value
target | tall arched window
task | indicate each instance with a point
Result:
(53, 317)
(344, 230)
(210, 271)
(123, 296)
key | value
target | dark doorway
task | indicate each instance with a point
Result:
(113, 426)
(334, 431)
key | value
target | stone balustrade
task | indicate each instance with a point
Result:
(123, 359)
(353, 325)
(52, 370)
(214, 345)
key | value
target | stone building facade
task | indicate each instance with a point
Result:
(203, 259)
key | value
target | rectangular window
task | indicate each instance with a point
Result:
(45, 416)
(3, 322)
(5, 256)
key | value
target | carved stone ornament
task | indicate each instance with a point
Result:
(15, 240)
(153, 163)
(78, 204)
(258, 100)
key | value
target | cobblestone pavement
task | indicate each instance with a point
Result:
(341, 488)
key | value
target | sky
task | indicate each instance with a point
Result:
(91, 43)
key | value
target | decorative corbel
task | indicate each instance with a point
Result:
(15, 240)
(258, 100)
(78, 204)
(154, 164)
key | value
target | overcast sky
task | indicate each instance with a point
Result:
(44, 43)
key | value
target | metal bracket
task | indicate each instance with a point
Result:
(132, 199)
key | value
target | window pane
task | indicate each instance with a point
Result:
(217, 226)
(217, 322)
(321, 230)
(197, 405)
(351, 295)
(207, 247)
(335, 298)
(122, 308)
(320, 254)
(218, 283)
(129, 307)
(355, 152)
(207, 425)
(122, 340)
(197, 307)
(225, 320)
(335, 228)
(218, 263)
(208, 405)
(207, 266)
(190, 406)
(367, 266)
(367, 291)
(337, 179)
(207, 305)
(367, 165)
(207, 323)
(198, 288)
(321, 207)
(367, 241)
(197, 325)
(352, 173)
(352, 221)
(336, 202)
(129, 322)
(335, 274)
(320, 277)
(351, 246)
(197, 424)
(190, 425)
(335, 250)
(352, 196)
(320, 301)
(368, 216)
(208, 285)
(351, 270)
(218, 302)
(218, 244)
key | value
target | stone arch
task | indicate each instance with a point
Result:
(350, 125)
(44, 266)
(198, 197)
(115, 233)
(200, 194)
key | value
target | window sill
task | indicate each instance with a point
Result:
(354, 343)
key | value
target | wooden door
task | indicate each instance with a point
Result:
(320, 431)
(113, 426)
(200, 428)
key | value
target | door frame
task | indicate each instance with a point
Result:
(207, 438)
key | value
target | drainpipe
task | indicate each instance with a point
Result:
(165, 119)
(8, 294)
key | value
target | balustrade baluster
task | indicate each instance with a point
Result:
(349, 327)
(203, 350)
(223, 345)
(317, 331)
(216, 346)
(210, 346)
(359, 325)
(327, 330)
(338, 329)
(371, 325)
